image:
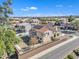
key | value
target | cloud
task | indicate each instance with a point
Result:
(59, 5)
(33, 8)
(29, 8)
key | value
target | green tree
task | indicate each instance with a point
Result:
(75, 23)
(56, 20)
(8, 39)
(70, 18)
(5, 9)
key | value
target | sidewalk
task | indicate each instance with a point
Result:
(52, 48)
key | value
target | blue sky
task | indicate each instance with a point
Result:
(45, 7)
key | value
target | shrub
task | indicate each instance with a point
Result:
(71, 56)
(77, 52)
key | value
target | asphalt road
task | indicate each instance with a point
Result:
(62, 51)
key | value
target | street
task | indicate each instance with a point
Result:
(62, 51)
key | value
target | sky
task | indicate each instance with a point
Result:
(45, 7)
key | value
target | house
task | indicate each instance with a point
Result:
(48, 31)
(34, 34)
(26, 25)
(37, 26)
(39, 34)
(67, 26)
(23, 28)
(64, 20)
(35, 21)
(43, 34)
(49, 25)
(14, 22)
(52, 27)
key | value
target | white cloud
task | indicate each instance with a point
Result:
(59, 5)
(29, 8)
(33, 8)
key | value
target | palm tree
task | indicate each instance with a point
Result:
(8, 40)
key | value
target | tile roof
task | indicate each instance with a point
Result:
(42, 30)
(49, 26)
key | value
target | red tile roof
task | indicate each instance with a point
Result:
(42, 29)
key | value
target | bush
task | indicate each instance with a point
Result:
(66, 58)
(71, 56)
(77, 52)
(57, 34)
(54, 39)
